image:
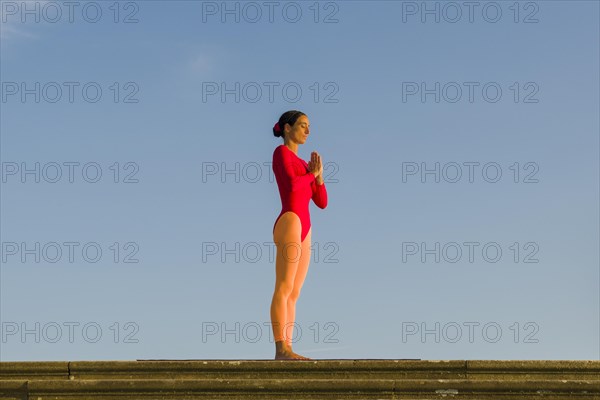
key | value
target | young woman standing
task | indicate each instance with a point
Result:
(298, 183)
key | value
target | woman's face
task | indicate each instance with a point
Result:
(300, 131)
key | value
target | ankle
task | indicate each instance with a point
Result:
(281, 345)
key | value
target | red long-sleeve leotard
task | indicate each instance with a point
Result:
(297, 185)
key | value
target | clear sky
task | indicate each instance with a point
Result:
(461, 151)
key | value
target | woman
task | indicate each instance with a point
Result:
(298, 182)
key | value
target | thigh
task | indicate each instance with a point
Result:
(286, 236)
(303, 263)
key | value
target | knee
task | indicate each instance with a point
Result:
(293, 296)
(283, 290)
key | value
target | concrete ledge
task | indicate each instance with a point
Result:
(13, 390)
(533, 369)
(34, 369)
(257, 369)
(312, 386)
(314, 379)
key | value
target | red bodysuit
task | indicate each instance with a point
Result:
(297, 185)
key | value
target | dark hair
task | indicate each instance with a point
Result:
(288, 117)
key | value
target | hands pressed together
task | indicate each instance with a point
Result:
(315, 166)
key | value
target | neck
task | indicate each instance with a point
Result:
(292, 146)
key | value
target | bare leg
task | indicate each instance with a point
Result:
(287, 239)
(301, 272)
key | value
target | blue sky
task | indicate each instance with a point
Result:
(167, 173)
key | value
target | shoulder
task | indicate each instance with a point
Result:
(279, 152)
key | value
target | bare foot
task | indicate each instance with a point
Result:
(287, 355)
(283, 351)
(302, 357)
(296, 354)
